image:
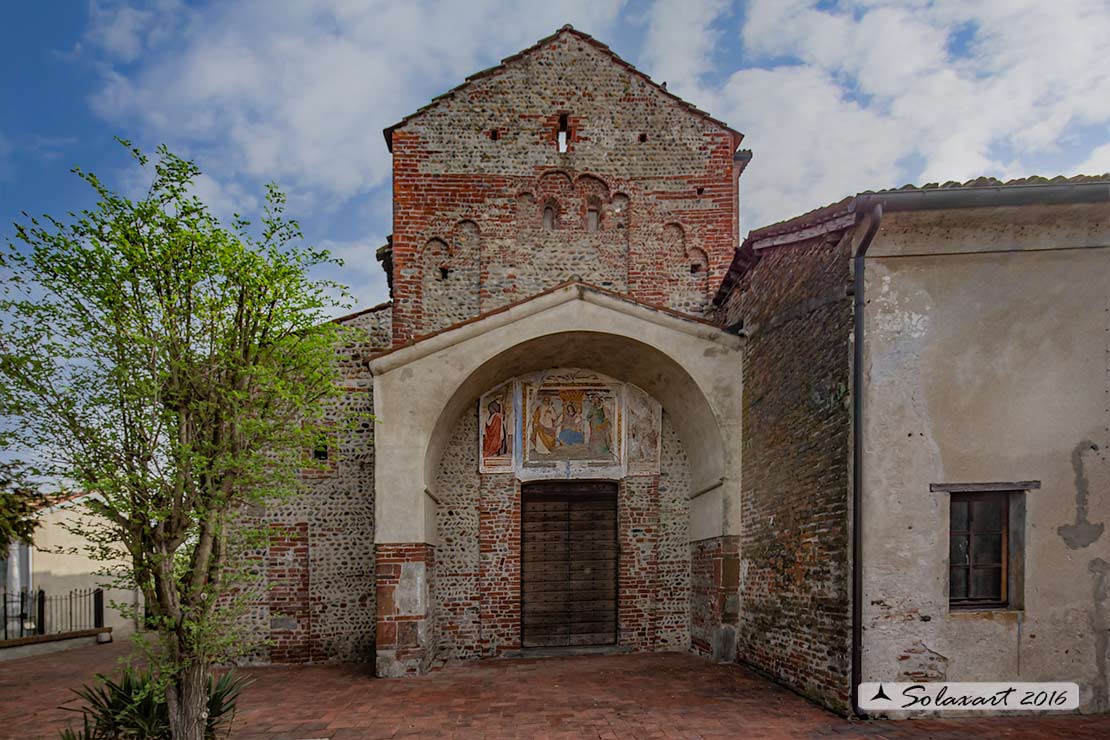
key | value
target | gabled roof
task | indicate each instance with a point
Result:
(567, 29)
(979, 184)
(362, 312)
(981, 191)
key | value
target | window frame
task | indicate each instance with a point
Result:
(968, 602)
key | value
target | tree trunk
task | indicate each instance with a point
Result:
(187, 702)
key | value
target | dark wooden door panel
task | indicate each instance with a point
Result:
(569, 564)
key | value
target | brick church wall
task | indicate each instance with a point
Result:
(314, 600)
(477, 582)
(673, 595)
(474, 172)
(794, 619)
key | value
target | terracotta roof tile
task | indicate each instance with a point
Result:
(361, 312)
(845, 205)
(745, 256)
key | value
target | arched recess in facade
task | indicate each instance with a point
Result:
(622, 358)
(691, 367)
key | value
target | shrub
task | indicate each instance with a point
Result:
(134, 707)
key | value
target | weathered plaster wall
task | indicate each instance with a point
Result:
(988, 359)
(474, 173)
(404, 581)
(794, 616)
(57, 571)
(477, 581)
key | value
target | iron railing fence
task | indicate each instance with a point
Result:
(31, 613)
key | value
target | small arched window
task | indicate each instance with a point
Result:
(549, 218)
(699, 262)
(564, 132)
(593, 220)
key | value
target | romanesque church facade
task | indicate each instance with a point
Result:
(865, 443)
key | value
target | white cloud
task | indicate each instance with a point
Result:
(1098, 163)
(833, 99)
(679, 45)
(124, 31)
(361, 271)
(301, 96)
(851, 96)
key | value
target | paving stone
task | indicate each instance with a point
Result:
(661, 695)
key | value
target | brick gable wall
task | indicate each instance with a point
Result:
(794, 618)
(469, 231)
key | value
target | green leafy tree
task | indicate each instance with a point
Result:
(18, 504)
(178, 370)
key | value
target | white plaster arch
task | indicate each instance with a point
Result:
(692, 368)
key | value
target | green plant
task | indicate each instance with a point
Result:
(18, 504)
(134, 707)
(177, 371)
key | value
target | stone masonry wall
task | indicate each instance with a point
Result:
(457, 602)
(795, 620)
(673, 597)
(474, 173)
(499, 563)
(315, 599)
(477, 583)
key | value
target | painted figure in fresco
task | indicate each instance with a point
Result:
(643, 439)
(601, 443)
(494, 438)
(544, 438)
(570, 426)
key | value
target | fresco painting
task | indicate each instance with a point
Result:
(572, 416)
(644, 418)
(568, 423)
(497, 429)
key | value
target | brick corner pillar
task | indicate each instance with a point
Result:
(405, 622)
(728, 599)
(715, 597)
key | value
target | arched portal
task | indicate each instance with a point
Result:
(690, 367)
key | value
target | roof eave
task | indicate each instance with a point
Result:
(846, 213)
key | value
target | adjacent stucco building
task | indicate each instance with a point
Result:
(866, 443)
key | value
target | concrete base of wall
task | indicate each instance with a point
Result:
(43, 644)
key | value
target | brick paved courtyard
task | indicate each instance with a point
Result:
(628, 696)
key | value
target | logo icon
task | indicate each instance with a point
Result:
(880, 694)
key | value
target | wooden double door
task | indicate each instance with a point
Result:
(569, 564)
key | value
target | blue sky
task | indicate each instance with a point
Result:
(835, 97)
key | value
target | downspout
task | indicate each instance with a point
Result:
(876, 214)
